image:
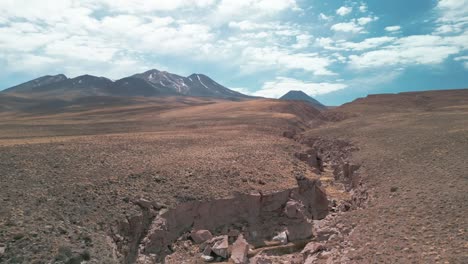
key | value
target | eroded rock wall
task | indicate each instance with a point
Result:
(257, 216)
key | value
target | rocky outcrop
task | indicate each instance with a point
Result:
(240, 249)
(258, 216)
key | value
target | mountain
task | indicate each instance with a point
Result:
(301, 96)
(193, 85)
(152, 83)
(41, 81)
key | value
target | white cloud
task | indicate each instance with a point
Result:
(463, 59)
(363, 8)
(344, 10)
(324, 17)
(247, 25)
(444, 29)
(144, 6)
(366, 20)
(28, 62)
(392, 28)
(412, 50)
(352, 27)
(228, 10)
(453, 10)
(241, 90)
(369, 43)
(255, 59)
(83, 48)
(302, 41)
(282, 85)
(326, 43)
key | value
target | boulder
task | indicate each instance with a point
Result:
(200, 236)
(144, 204)
(207, 250)
(293, 209)
(240, 248)
(281, 237)
(312, 248)
(220, 247)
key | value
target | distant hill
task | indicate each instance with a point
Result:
(152, 83)
(301, 96)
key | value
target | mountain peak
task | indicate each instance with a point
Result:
(296, 92)
(152, 71)
(301, 96)
(149, 83)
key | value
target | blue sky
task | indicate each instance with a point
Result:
(335, 51)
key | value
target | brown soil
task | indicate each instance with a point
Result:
(67, 178)
(413, 151)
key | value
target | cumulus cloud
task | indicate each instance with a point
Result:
(453, 16)
(119, 37)
(392, 28)
(351, 27)
(71, 33)
(324, 17)
(363, 8)
(144, 6)
(302, 41)
(228, 10)
(281, 85)
(412, 50)
(272, 57)
(344, 10)
(366, 20)
(453, 10)
(369, 43)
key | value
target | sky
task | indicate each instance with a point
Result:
(335, 51)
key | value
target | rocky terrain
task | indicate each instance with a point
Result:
(191, 180)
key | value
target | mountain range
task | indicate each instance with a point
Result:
(301, 96)
(150, 83)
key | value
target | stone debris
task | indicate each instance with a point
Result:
(311, 248)
(144, 204)
(261, 213)
(207, 258)
(293, 209)
(260, 259)
(281, 237)
(201, 236)
(240, 248)
(221, 246)
(207, 250)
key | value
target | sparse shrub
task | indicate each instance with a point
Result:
(86, 255)
(64, 253)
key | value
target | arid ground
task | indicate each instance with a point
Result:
(68, 174)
